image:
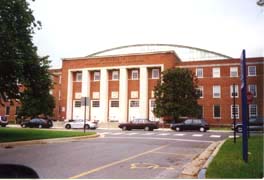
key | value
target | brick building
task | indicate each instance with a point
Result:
(119, 85)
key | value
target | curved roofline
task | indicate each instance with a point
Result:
(172, 45)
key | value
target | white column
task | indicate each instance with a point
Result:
(69, 96)
(85, 90)
(104, 95)
(123, 90)
(143, 87)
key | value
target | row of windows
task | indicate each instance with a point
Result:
(234, 91)
(115, 75)
(216, 72)
(234, 111)
(7, 110)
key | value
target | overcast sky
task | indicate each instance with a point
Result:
(76, 28)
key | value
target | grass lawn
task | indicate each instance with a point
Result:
(19, 134)
(229, 163)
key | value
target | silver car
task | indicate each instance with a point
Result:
(79, 123)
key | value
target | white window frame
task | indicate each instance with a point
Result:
(214, 111)
(134, 75)
(233, 71)
(255, 71)
(216, 72)
(95, 103)
(114, 103)
(79, 77)
(201, 89)
(199, 72)
(251, 106)
(77, 103)
(134, 103)
(115, 75)
(250, 89)
(59, 79)
(215, 89)
(155, 74)
(97, 76)
(236, 91)
(237, 114)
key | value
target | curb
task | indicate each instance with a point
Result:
(46, 141)
(200, 163)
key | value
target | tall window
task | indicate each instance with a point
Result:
(199, 72)
(95, 103)
(252, 71)
(134, 103)
(115, 75)
(114, 103)
(253, 110)
(96, 76)
(216, 91)
(155, 73)
(253, 89)
(233, 72)
(77, 104)
(200, 91)
(17, 110)
(78, 76)
(134, 74)
(216, 72)
(232, 94)
(7, 112)
(235, 109)
(217, 111)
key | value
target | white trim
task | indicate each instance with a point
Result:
(123, 93)
(216, 65)
(104, 94)
(143, 89)
(69, 95)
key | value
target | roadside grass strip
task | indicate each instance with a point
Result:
(229, 163)
(19, 134)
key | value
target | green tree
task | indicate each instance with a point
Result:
(176, 94)
(19, 61)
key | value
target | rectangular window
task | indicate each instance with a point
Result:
(155, 73)
(115, 75)
(59, 94)
(200, 91)
(96, 76)
(77, 104)
(216, 91)
(253, 89)
(253, 110)
(199, 72)
(114, 103)
(252, 71)
(134, 103)
(59, 79)
(7, 112)
(216, 72)
(17, 110)
(152, 103)
(232, 92)
(96, 104)
(134, 75)
(235, 109)
(78, 76)
(217, 111)
(233, 72)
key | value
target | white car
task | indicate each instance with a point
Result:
(79, 123)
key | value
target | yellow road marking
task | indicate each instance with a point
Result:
(115, 163)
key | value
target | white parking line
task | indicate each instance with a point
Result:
(197, 135)
(105, 133)
(178, 134)
(232, 136)
(130, 134)
(117, 133)
(163, 134)
(215, 136)
(148, 134)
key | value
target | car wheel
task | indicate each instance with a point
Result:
(147, 128)
(68, 126)
(124, 128)
(86, 126)
(40, 126)
(177, 128)
(239, 129)
(202, 129)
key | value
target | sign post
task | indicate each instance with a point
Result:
(244, 105)
(234, 112)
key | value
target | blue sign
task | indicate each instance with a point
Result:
(244, 105)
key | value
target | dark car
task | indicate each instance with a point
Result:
(37, 123)
(191, 124)
(145, 124)
(3, 121)
(255, 124)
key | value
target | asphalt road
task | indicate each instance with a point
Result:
(117, 154)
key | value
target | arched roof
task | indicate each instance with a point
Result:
(185, 53)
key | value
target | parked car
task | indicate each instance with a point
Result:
(255, 124)
(37, 123)
(79, 123)
(145, 124)
(3, 121)
(191, 124)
